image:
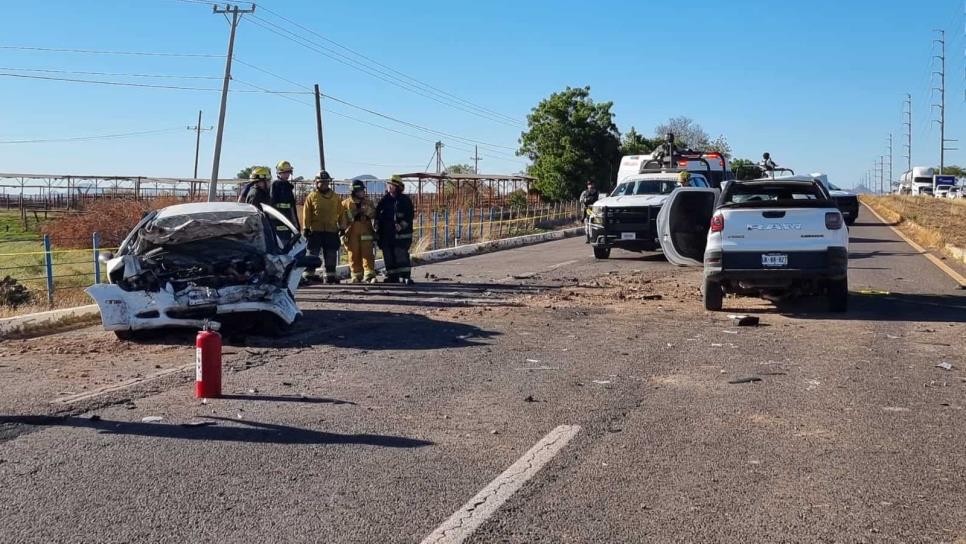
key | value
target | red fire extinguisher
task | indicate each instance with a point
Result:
(208, 363)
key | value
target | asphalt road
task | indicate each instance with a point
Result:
(389, 407)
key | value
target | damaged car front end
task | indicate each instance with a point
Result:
(186, 264)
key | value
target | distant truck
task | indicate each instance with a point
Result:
(919, 181)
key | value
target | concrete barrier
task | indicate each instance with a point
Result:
(56, 320)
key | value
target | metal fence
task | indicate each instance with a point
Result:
(57, 276)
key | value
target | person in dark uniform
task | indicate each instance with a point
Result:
(258, 191)
(283, 199)
(587, 199)
(394, 228)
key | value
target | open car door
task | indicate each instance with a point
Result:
(683, 223)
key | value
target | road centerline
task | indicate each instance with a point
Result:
(484, 504)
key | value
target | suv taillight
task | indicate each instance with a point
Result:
(717, 223)
(833, 220)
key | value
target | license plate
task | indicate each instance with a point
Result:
(774, 260)
(628, 236)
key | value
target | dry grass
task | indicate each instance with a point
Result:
(931, 222)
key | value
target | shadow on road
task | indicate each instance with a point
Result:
(856, 255)
(283, 398)
(859, 240)
(346, 328)
(872, 307)
(219, 429)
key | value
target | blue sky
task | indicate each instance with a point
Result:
(820, 84)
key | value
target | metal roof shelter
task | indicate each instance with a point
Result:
(464, 190)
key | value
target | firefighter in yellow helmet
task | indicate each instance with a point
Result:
(283, 199)
(258, 187)
(321, 215)
(684, 179)
(359, 233)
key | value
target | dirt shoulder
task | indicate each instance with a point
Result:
(932, 222)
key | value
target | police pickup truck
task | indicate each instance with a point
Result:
(772, 238)
(626, 218)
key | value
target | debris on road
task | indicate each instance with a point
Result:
(748, 379)
(873, 292)
(529, 398)
(152, 419)
(602, 382)
(744, 320)
(945, 366)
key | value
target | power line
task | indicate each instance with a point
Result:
(141, 85)
(101, 52)
(374, 112)
(415, 80)
(322, 50)
(113, 74)
(86, 138)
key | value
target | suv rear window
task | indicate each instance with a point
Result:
(797, 195)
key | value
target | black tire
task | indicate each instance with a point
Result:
(126, 336)
(274, 326)
(851, 220)
(713, 295)
(601, 252)
(838, 296)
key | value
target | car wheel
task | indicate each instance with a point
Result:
(601, 252)
(127, 335)
(713, 295)
(851, 220)
(838, 295)
(274, 326)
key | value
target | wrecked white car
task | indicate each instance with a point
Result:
(190, 263)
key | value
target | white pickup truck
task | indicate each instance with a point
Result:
(767, 238)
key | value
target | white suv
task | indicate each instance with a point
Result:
(768, 238)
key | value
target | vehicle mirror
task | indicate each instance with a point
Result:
(105, 256)
(308, 261)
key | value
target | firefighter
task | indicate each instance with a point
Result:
(258, 187)
(394, 227)
(321, 214)
(283, 199)
(359, 233)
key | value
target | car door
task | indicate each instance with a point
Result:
(683, 222)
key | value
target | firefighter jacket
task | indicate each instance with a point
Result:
(283, 200)
(392, 211)
(357, 219)
(322, 211)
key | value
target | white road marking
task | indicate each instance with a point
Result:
(70, 399)
(471, 515)
(565, 263)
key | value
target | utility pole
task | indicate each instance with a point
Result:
(889, 179)
(942, 98)
(476, 159)
(318, 125)
(881, 173)
(907, 110)
(236, 14)
(198, 128)
(439, 157)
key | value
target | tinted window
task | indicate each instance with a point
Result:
(740, 194)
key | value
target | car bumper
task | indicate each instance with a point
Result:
(832, 264)
(142, 310)
(630, 237)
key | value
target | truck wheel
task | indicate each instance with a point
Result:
(838, 296)
(713, 295)
(601, 252)
(127, 335)
(851, 220)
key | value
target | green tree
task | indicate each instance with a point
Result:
(569, 140)
(721, 145)
(952, 170)
(244, 173)
(633, 143)
(459, 169)
(745, 169)
(687, 133)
